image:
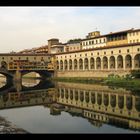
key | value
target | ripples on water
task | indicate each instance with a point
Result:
(72, 108)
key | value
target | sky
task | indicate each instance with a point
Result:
(28, 27)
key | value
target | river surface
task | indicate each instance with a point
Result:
(48, 107)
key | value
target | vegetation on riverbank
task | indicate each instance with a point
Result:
(127, 81)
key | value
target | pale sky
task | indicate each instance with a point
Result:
(29, 27)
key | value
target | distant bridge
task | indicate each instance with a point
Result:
(14, 66)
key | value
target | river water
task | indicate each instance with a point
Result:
(48, 107)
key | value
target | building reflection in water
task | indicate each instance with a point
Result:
(98, 104)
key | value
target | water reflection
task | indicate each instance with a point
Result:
(98, 104)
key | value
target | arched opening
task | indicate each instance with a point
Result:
(76, 95)
(81, 96)
(3, 65)
(71, 94)
(87, 97)
(62, 93)
(70, 64)
(137, 104)
(2, 80)
(80, 64)
(86, 63)
(98, 63)
(57, 65)
(65, 65)
(66, 94)
(121, 102)
(92, 63)
(112, 62)
(113, 100)
(105, 62)
(61, 65)
(128, 61)
(75, 64)
(99, 99)
(106, 99)
(120, 62)
(93, 98)
(137, 61)
(129, 103)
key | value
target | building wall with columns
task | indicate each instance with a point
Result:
(113, 59)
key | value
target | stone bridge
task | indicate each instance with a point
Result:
(14, 66)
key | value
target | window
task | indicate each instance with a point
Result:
(80, 54)
(138, 49)
(75, 55)
(137, 40)
(137, 33)
(129, 34)
(65, 56)
(91, 53)
(133, 33)
(26, 58)
(104, 52)
(100, 41)
(96, 41)
(130, 41)
(70, 56)
(86, 43)
(92, 42)
(133, 41)
(11, 58)
(34, 58)
(104, 39)
(86, 54)
(119, 51)
(98, 53)
(111, 52)
(128, 50)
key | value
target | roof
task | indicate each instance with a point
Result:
(113, 33)
(102, 48)
(53, 39)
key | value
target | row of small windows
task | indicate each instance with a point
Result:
(115, 38)
(99, 53)
(134, 33)
(94, 42)
(134, 41)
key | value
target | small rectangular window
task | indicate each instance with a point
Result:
(138, 49)
(111, 52)
(104, 52)
(119, 51)
(128, 50)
